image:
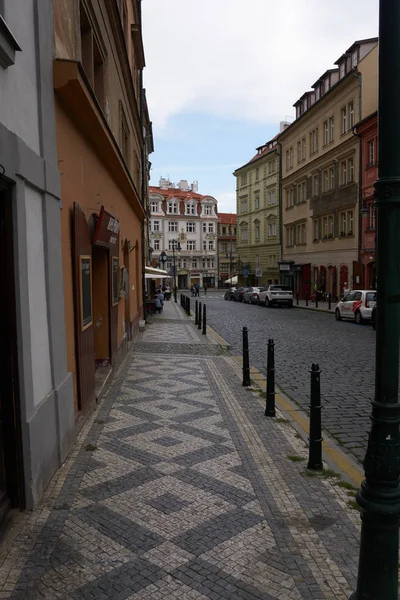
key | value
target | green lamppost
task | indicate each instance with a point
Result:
(379, 497)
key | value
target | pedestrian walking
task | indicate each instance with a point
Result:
(205, 289)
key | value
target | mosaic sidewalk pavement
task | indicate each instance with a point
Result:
(179, 487)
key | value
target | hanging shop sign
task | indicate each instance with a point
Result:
(107, 229)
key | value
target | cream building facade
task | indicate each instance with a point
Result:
(258, 217)
(320, 175)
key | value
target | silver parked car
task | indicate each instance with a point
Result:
(251, 295)
(276, 295)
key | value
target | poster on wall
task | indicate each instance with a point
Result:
(85, 281)
(115, 280)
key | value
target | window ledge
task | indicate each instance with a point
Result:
(8, 45)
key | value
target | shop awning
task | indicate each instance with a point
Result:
(154, 273)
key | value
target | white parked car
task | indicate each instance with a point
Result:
(251, 295)
(276, 295)
(356, 305)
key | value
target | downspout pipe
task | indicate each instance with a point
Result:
(280, 206)
(360, 186)
(144, 200)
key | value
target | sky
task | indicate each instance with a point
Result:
(221, 75)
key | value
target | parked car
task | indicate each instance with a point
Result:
(229, 293)
(356, 305)
(252, 294)
(373, 318)
(238, 294)
(276, 295)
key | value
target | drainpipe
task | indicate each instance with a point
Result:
(360, 197)
(143, 199)
(280, 206)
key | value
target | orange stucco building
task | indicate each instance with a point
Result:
(101, 146)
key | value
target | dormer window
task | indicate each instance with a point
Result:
(190, 209)
(342, 70)
(154, 207)
(317, 93)
(297, 112)
(327, 84)
(305, 105)
(172, 208)
(354, 59)
(208, 210)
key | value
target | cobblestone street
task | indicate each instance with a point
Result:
(179, 487)
(344, 351)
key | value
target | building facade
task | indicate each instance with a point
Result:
(101, 131)
(181, 214)
(227, 247)
(37, 426)
(258, 217)
(368, 132)
(320, 176)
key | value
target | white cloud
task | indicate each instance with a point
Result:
(249, 60)
(226, 202)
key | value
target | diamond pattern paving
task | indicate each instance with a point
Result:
(188, 494)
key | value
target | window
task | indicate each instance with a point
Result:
(191, 245)
(354, 58)
(208, 210)
(172, 245)
(330, 226)
(289, 198)
(156, 225)
(317, 94)
(224, 247)
(342, 70)
(172, 208)
(291, 157)
(316, 229)
(204, 245)
(257, 232)
(271, 198)
(154, 206)
(372, 217)
(191, 227)
(304, 191)
(287, 160)
(173, 226)
(314, 141)
(124, 135)
(303, 238)
(347, 223)
(326, 133)
(343, 119)
(194, 263)
(272, 229)
(303, 145)
(316, 185)
(204, 227)
(211, 228)
(271, 166)
(168, 265)
(325, 228)
(327, 84)
(257, 174)
(190, 209)
(325, 181)
(244, 205)
(243, 179)
(351, 115)
(343, 173)
(257, 202)
(92, 58)
(244, 233)
(331, 129)
(299, 152)
(224, 231)
(350, 170)
(156, 244)
(371, 153)
(332, 178)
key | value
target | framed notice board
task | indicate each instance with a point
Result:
(85, 282)
(115, 280)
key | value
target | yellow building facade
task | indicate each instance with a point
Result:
(321, 176)
(258, 217)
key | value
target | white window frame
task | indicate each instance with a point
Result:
(371, 152)
(257, 202)
(191, 245)
(326, 133)
(351, 115)
(190, 227)
(331, 129)
(316, 229)
(156, 244)
(343, 119)
(173, 226)
(343, 172)
(154, 206)
(172, 208)
(257, 232)
(350, 170)
(156, 226)
(211, 228)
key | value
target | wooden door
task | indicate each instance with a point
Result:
(84, 338)
(11, 480)
(114, 297)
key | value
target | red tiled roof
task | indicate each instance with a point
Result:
(227, 218)
(176, 193)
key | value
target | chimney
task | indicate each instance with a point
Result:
(195, 186)
(183, 185)
(283, 125)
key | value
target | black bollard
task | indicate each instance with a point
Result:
(204, 320)
(297, 298)
(188, 306)
(315, 448)
(270, 401)
(199, 323)
(329, 301)
(306, 298)
(246, 362)
(316, 299)
(196, 314)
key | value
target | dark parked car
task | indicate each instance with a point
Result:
(229, 293)
(238, 295)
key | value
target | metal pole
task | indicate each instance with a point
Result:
(270, 395)
(188, 305)
(246, 362)
(329, 301)
(297, 298)
(316, 299)
(196, 313)
(315, 438)
(306, 298)
(379, 497)
(204, 319)
(199, 325)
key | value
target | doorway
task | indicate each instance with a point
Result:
(11, 480)
(101, 313)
